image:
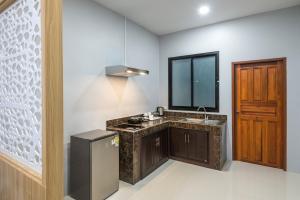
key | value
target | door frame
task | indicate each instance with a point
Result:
(52, 78)
(17, 180)
(284, 125)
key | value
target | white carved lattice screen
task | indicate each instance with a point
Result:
(20, 83)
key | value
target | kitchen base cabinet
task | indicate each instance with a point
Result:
(154, 151)
(178, 142)
(189, 145)
(197, 145)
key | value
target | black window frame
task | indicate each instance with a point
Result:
(192, 107)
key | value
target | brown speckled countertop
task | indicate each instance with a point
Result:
(174, 118)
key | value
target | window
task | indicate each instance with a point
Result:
(194, 82)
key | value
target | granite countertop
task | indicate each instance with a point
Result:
(166, 120)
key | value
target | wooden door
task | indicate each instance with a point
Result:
(197, 146)
(259, 112)
(178, 138)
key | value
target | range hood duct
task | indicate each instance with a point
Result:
(124, 70)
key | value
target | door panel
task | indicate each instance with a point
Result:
(178, 142)
(246, 84)
(245, 138)
(147, 152)
(154, 151)
(259, 112)
(258, 84)
(103, 183)
(272, 143)
(163, 145)
(272, 88)
(257, 140)
(198, 145)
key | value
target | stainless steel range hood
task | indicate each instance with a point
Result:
(124, 71)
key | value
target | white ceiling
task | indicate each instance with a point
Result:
(167, 16)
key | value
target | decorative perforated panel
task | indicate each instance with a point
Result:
(20, 83)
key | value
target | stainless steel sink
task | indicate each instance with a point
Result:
(201, 121)
(193, 120)
(212, 122)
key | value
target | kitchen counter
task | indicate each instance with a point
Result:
(130, 140)
(162, 121)
(170, 118)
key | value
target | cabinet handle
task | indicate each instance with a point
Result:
(188, 138)
(158, 141)
(185, 138)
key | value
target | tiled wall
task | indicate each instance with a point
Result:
(20, 83)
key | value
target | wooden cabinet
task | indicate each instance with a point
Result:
(189, 144)
(154, 151)
(178, 142)
(197, 145)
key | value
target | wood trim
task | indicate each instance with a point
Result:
(22, 168)
(284, 139)
(52, 99)
(4, 4)
(234, 156)
(234, 65)
(283, 59)
(16, 180)
(19, 182)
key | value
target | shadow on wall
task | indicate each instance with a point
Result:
(106, 93)
(118, 84)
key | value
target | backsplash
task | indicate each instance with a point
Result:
(170, 113)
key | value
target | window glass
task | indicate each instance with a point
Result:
(194, 82)
(204, 81)
(181, 76)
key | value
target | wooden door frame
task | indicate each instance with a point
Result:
(284, 125)
(52, 72)
(17, 180)
(4, 4)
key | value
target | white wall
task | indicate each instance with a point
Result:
(94, 38)
(270, 35)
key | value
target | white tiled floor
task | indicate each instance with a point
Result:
(180, 181)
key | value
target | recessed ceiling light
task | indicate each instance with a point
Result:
(203, 10)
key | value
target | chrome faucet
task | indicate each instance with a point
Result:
(205, 115)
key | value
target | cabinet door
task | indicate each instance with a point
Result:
(161, 142)
(198, 146)
(153, 151)
(147, 154)
(178, 139)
